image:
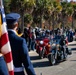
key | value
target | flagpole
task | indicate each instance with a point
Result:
(0, 18)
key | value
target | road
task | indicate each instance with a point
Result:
(42, 66)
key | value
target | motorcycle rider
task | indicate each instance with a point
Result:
(47, 34)
(63, 47)
(62, 40)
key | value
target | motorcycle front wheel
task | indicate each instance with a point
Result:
(51, 58)
(41, 54)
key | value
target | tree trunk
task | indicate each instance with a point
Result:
(22, 22)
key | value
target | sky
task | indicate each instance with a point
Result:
(70, 0)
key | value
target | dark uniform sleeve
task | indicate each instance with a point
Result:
(26, 59)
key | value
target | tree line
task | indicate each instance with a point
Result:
(43, 13)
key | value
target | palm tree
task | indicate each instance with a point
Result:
(42, 8)
(22, 7)
(6, 5)
(67, 10)
(73, 14)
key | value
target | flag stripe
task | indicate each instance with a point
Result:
(7, 57)
(6, 48)
(4, 30)
(11, 72)
(10, 67)
(4, 41)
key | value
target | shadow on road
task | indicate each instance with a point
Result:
(34, 57)
(73, 49)
(41, 64)
(72, 60)
(71, 44)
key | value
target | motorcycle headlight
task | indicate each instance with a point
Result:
(53, 46)
(41, 42)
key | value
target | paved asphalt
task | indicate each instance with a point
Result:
(42, 66)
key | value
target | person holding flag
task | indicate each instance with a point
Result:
(6, 61)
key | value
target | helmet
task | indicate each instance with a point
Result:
(48, 31)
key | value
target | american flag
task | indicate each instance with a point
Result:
(5, 48)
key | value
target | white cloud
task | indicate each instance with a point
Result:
(70, 0)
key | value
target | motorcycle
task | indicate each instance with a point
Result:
(52, 54)
(59, 51)
(42, 47)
